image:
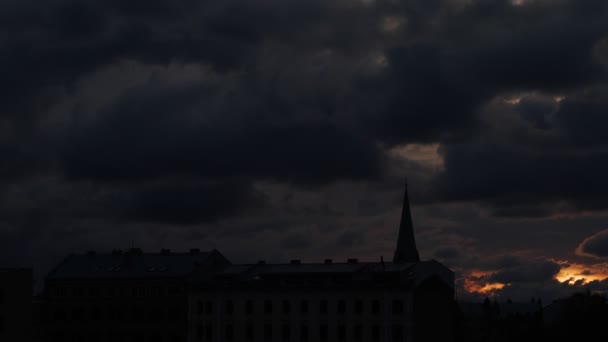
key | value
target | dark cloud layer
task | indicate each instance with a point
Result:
(595, 245)
(535, 272)
(163, 132)
(164, 114)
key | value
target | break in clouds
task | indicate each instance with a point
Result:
(275, 129)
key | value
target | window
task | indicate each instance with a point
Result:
(249, 332)
(323, 332)
(174, 290)
(341, 332)
(286, 332)
(249, 307)
(397, 332)
(376, 333)
(341, 306)
(174, 314)
(286, 307)
(77, 314)
(267, 332)
(304, 307)
(304, 333)
(209, 332)
(397, 307)
(229, 306)
(358, 332)
(61, 292)
(60, 315)
(94, 292)
(323, 307)
(95, 313)
(209, 307)
(375, 306)
(157, 291)
(199, 308)
(268, 307)
(139, 314)
(358, 306)
(199, 332)
(78, 292)
(229, 332)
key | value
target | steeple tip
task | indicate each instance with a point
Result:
(406, 244)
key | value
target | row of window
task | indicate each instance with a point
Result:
(117, 337)
(79, 314)
(285, 333)
(138, 291)
(208, 307)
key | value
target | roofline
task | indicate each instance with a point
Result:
(61, 263)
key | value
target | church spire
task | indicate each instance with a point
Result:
(406, 243)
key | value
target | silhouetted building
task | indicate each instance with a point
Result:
(349, 301)
(119, 297)
(16, 286)
(406, 300)
(502, 321)
(197, 296)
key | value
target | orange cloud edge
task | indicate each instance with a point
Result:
(476, 281)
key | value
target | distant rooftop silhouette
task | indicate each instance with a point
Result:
(130, 264)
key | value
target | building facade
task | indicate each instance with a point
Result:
(402, 301)
(16, 286)
(123, 296)
(200, 296)
(349, 301)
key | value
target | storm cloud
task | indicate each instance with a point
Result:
(233, 121)
(595, 245)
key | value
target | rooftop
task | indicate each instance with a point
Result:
(132, 264)
(329, 273)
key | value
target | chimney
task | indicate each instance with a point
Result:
(136, 251)
(353, 261)
(262, 262)
(296, 262)
(328, 261)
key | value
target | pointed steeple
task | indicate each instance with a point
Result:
(406, 243)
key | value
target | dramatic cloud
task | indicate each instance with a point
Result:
(595, 245)
(531, 271)
(295, 123)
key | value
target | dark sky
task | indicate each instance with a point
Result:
(281, 129)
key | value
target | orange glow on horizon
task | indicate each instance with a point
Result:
(478, 282)
(474, 283)
(572, 273)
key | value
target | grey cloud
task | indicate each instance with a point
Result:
(306, 94)
(531, 271)
(595, 245)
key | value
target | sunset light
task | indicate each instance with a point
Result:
(578, 273)
(332, 170)
(477, 282)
